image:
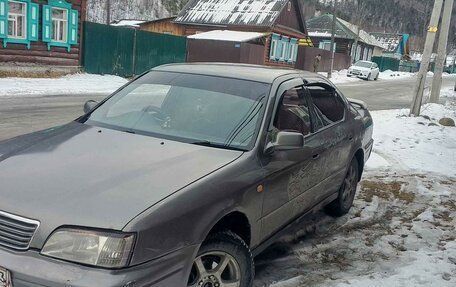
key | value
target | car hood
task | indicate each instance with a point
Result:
(80, 175)
(360, 68)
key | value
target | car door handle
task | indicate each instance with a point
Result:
(316, 156)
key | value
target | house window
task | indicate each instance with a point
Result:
(59, 25)
(326, 45)
(274, 50)
(17, 20)
(293, 50)
(283, 51)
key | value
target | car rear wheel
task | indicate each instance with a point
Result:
(224, 260)
(347, 192)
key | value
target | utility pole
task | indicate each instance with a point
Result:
(333, 40)
(418, 90)
(442, 49)
(108, 12)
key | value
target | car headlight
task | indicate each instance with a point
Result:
(101, 249)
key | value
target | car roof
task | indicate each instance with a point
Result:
(255, 73)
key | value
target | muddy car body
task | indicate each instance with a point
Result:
(98, 202)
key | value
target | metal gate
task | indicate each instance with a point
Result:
(127, 52)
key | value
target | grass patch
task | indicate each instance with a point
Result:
(451, 205)
(444, 216)
(32, 74)
(385, 190)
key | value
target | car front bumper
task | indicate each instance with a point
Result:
(30, 269)
(357, 74)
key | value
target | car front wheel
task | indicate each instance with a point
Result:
(347, 191)
(224, 260)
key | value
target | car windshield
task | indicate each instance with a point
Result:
(363, 64)
(205, 110)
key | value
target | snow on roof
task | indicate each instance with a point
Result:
(363, 35)
(232, 12)
(128, 23)
(227, 35)
(389, 41)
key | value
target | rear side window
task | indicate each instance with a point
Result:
(329, 107)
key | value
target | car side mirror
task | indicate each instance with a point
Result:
(89, 106)
(285, 141)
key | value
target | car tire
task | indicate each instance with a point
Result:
(369, 77)
(376, 78)
(228, 249)
(347, 192)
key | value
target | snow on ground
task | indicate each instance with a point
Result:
(340, 77)
(68, 85)
(401, 229)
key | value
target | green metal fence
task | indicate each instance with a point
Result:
(386, 63)
(128, 52)
(409, 66)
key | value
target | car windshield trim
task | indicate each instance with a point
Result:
(164, 136)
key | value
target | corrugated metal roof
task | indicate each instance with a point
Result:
(232, 12)
(389, 41)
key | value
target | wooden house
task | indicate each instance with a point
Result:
(44, 32)
(320, 31)
(280, 20)
(164, 26)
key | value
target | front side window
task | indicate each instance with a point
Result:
(293, 113)
(17, 20)
(190, 108)
(59, 25)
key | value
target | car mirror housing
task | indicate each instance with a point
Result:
(89, 106)
(286, 141)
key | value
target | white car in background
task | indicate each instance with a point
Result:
(364, 70)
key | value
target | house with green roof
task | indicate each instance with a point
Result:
(349, 39)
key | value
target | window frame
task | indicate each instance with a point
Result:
(66, 19)
(302, 93)
(273, 51)
(317, 83)
(24, 24)
(73, 25)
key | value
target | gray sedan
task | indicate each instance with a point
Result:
(178, 179)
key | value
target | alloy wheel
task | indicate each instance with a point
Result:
(349, 188)
(215, 269)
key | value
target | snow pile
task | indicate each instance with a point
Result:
(340, 77)
(68, 85)
(415, 144)
(448, 93)
(388, 75)
(401, 230)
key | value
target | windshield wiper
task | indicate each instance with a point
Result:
(217, 145)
